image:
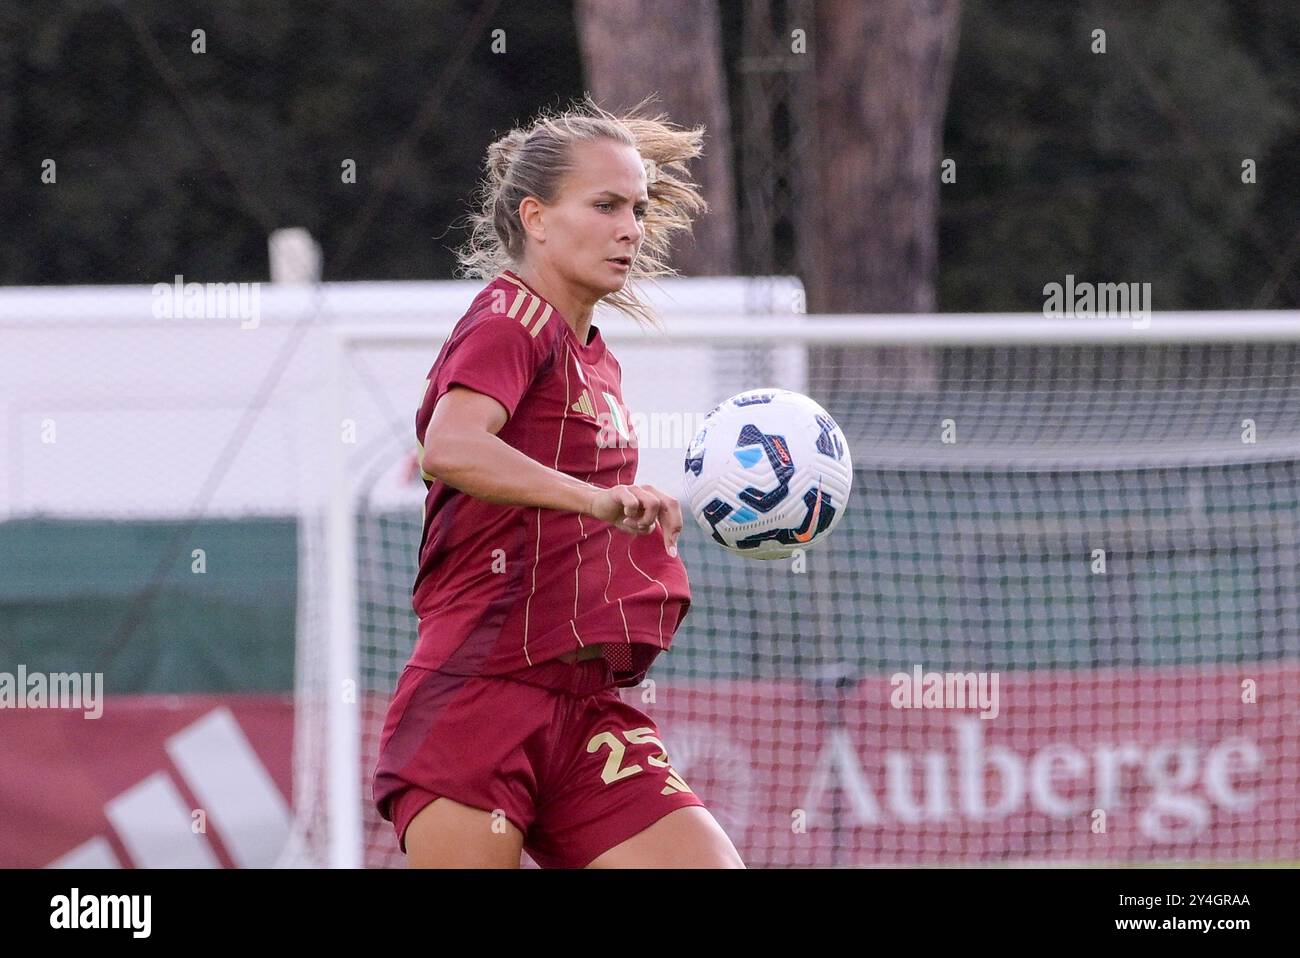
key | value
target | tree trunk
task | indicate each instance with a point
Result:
(870, 233)
(631, 48)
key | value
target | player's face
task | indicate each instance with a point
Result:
(598, 217)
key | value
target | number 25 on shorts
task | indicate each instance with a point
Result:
(613, 771)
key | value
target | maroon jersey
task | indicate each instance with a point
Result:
(499, 587)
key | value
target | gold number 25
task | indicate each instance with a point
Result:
(636, 736)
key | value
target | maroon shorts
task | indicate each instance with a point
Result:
(553, 748)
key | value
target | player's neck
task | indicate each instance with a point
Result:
(569, 303)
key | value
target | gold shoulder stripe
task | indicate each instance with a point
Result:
(527, 317)
(534, 301)
(541, 321)
(520, 298)
(510, 279)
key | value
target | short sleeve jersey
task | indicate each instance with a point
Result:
(501, 587)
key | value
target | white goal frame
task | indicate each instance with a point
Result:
(343, 733)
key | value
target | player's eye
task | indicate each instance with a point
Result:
(638, 211)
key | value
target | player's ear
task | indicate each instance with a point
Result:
(530, 216)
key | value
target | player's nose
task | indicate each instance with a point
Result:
(630, 228)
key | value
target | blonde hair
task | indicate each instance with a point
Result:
(534, 162)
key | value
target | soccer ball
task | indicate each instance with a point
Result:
(768, 473)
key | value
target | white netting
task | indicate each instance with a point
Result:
(1106, 531)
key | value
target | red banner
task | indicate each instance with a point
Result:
(158, 781)
(1152, 765)
(1147, 765)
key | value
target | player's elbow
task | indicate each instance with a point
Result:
(434, 460)
(445, 453)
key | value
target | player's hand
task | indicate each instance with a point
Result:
(637, 510)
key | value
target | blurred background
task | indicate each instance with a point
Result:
(163, 509)
(822, 164)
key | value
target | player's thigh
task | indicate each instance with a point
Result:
(685, 838)
(447, 834)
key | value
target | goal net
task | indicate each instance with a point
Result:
(1057, 624)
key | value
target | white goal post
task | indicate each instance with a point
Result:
(994, 374)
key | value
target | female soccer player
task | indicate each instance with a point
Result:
(547, 577)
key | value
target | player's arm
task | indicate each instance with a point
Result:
(462, 448)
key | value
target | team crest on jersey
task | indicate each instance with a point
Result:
(614, 430)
